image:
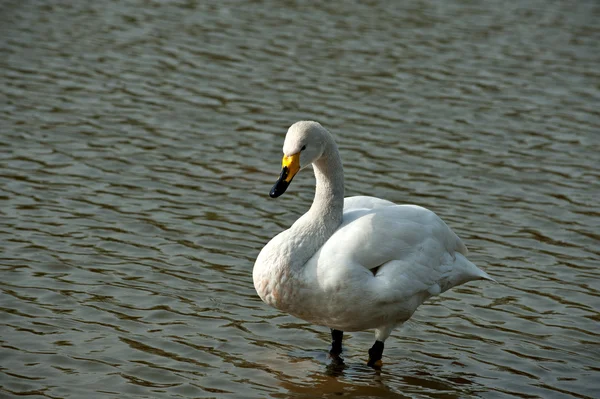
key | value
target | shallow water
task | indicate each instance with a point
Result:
(139, 140)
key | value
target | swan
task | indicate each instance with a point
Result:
(356, 263)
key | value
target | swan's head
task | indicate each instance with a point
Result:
(304, 143)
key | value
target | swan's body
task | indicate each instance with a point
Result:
(356, 263)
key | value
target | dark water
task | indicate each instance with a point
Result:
(139, 139)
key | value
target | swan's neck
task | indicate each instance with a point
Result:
(328, 205)
(315, 227)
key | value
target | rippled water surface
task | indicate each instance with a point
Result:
(139, 140)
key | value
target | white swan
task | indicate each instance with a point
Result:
(356, 263)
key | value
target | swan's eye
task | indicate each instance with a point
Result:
(303, 148)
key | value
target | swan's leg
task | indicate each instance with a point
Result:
(376, 351)
(375, 355)
(336, 342)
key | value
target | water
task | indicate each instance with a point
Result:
(139, 140)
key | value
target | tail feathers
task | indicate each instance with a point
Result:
(463, 271)
(484, 276)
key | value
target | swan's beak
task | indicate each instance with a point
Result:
(290, 165)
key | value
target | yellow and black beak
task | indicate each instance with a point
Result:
(290, 165)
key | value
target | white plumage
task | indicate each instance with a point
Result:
(356, 263)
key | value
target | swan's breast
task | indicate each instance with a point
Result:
(274, 288)
(272, 275)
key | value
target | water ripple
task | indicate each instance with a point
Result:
(139, 140)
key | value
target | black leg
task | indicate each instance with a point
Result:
(375, 355)
(336, 343)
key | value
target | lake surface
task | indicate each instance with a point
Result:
(139, 140)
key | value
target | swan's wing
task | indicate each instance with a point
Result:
(372, 237)
(408, 249)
